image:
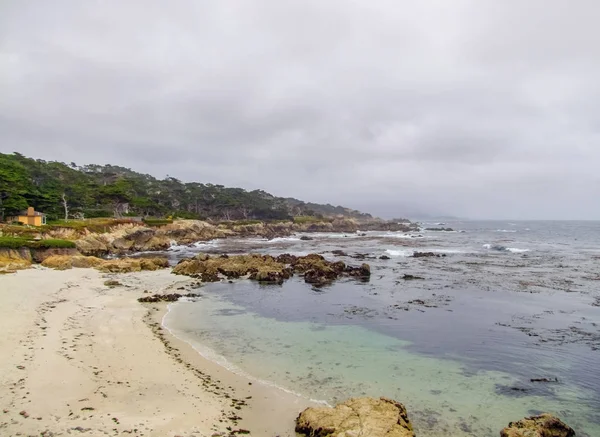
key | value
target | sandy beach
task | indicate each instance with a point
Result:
(79, 357)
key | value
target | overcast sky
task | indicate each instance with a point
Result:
(476, 108)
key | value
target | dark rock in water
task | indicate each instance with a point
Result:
(384, 257)
(364, 271)
(411, 277)
(286, 258)
(210, 277)
(271, 277)
(544, 425)
(440, 229)
(338, 252)
(424, 254)
(544, 380)
(165, 297)
(356, 417)
(363, 235)
(320, 277)
(306, 238)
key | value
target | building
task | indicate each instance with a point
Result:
(30, 217)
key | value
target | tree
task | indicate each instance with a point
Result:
(65, 206)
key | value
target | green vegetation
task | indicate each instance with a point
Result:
(91, 191)
(17, 243)
(308, 219)
(157, 222)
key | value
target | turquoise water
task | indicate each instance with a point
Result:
(332, 363)
(509, 302)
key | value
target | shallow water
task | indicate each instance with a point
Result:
(459, 347)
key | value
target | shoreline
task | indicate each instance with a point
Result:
(90, 358)
(269, 410)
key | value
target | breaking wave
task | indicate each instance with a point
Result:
(500, 248)
(398, 252)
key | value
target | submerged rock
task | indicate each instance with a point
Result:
(544, 425)
(357, 417)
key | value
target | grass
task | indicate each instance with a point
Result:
(157, 222)
(301, 219)
(96, 225)
(19, 242)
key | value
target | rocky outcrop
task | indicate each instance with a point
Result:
(265, 268)
(135, 238)
(123, 265)
(130, 237)
(356, 417)
(544, 425)
(12, 260)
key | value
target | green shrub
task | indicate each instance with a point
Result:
(157, 222)
(17, 243)
(308, 219)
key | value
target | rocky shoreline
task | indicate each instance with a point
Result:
(385, 417)
(136, 238)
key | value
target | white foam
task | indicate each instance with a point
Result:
(506, 230)
(500, 248)
(211, 355)
(283, 239)
(399, 252)
(448, 251)
(516, 250)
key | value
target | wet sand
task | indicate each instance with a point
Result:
(77, 357)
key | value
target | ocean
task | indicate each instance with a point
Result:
(505, 323)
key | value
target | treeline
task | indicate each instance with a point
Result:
(67, 190)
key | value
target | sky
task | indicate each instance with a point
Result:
(472, 108)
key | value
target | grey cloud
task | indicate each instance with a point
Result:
(472, 107)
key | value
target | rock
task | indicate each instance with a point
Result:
(411, 277)
(126, 265)
(306, 238)
(286, 258)
(173, 297)
(112, 283)
(320, 276)
(544, 380)
(424, 254)
(384, 257)
(65, 262)
(267, 269)
(544, 425)
(338, 252)
(356, 417)
(440, 229)
(364, 271)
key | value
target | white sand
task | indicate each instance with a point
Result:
(77, 357)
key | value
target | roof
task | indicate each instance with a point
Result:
(35, 213)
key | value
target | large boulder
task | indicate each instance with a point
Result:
(544, 425)
(356, 417)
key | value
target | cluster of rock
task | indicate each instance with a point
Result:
(171, 297)
(266, 268)
(122, 265)
(388, 418)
